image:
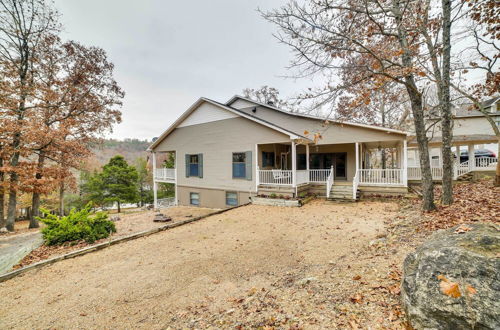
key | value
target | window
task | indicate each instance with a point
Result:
(267, 159)
(239, 168)
(497, 121)
(231, 198)
(194, 165)
(301, 162)
(194, 199)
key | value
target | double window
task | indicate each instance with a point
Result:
(231, 198)
(242, 165)
(194, 199)
(194, 165)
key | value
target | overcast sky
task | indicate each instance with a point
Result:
(169, 53)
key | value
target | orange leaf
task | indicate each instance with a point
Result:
(462, 229)
(306, 132)
(471, 290)
(449, 288)
(357, 277)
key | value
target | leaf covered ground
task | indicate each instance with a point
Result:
(324, 265)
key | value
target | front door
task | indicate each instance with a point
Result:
(326, 160)
(340, 165)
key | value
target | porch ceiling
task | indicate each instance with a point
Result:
(383, 144)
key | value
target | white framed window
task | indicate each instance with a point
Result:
(231, 198)
(194, 199)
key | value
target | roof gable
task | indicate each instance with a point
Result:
(220, 113)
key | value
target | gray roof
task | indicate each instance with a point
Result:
(467, 110)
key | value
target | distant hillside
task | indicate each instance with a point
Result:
(131, 149)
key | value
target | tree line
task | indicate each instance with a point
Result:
(57, 98)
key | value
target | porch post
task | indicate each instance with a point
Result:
(294, 164)
(257, 177)
(357, 158)
(155, 185)
(405, 163)
(457, 161)
(176, 168)
(472, 157)
(307, 163)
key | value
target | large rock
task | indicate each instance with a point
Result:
(452, 281)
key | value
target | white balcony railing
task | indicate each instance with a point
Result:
(165, 174)
(379, 176)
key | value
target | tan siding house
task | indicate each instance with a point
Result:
(227, 152)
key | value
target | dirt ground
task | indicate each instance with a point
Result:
(324, 265)
(130, 222)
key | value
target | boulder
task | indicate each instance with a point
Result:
(452, 281)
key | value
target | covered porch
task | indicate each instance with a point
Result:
(293, 167)
(469, 156)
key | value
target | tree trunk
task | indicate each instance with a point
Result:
(35, 202)
(417, 110)
(11, 206)
(446, 119)
(61, 199)
(2, 197)
(119, 209)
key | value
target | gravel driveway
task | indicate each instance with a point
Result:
(193, 275)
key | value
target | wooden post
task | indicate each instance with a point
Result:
(307, 163)
(294, 164)
(257, 174)
(472, 157)
(155, 185)
(176, 167)
(405, 163)
(357, 158)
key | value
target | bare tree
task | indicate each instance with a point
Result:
(358, 44)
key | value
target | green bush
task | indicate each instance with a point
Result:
(78, 225)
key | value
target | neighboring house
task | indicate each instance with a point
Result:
(472, 135)
(226, 152)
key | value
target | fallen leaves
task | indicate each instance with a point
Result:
(448, 287)
(357, 299)
(473, 202)
(462, 229)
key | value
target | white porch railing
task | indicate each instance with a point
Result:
(486, 162)
(166, 174)
(376, 176)
(319, 175)
(481, 163)
(355, 184)
(302, 177)
(276, 177)
(285, 177)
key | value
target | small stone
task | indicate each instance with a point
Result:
(3, 230)
(115, 218)
(307, 280)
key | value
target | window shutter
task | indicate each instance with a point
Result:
(200, 165)
(187, 165)
(248, 165)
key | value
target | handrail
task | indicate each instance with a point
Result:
(355, 183)
(329, 182)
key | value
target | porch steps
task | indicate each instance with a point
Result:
(342, 192)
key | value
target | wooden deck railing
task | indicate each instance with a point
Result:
(165, 174)
(379, 176)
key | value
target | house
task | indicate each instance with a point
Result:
(472, 133)
(226, 152)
